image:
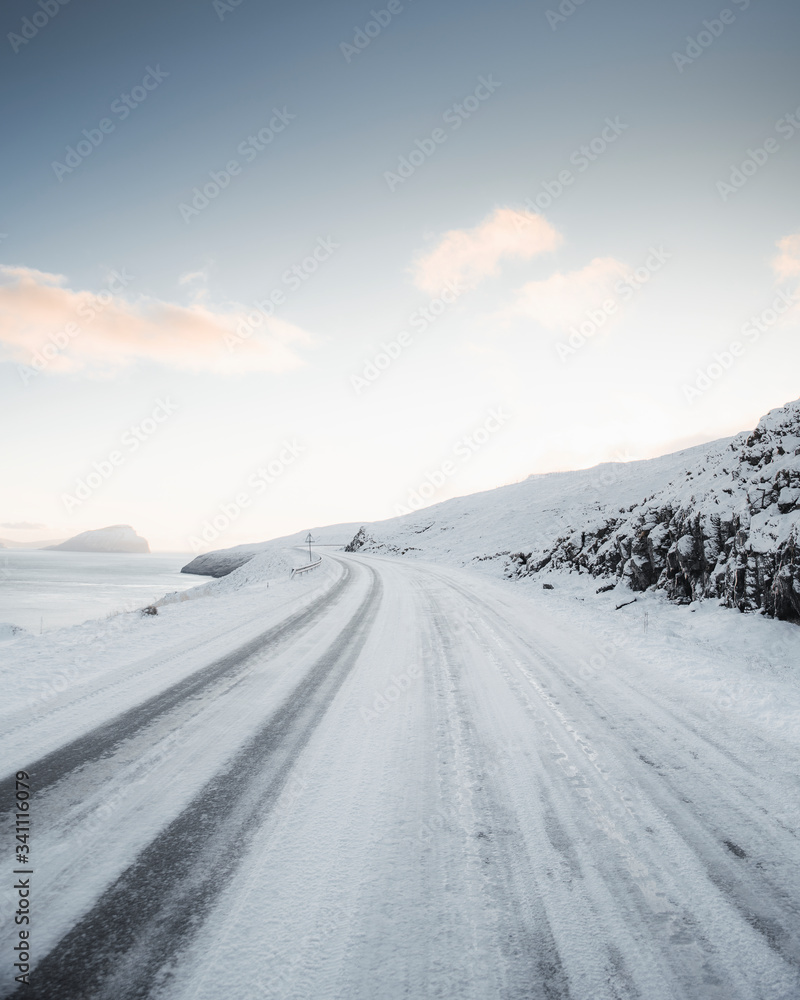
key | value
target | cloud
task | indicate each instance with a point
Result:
(787, 268)
(24, 526)
(190, 277)
(564, 297)
(108, 331)
(787, 263)
(469, 255)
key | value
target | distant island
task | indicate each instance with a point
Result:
(116, 538)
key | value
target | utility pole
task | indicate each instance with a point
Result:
(309, 539)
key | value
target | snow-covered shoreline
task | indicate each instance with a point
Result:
(108, 659)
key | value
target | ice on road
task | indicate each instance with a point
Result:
(415, 785)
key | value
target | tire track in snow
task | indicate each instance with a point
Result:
(774, 913)
(124, 947)
(686, 937)
(531, 966)
(106, 738)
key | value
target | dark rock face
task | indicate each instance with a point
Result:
(730, 530)
(217, 563)
(359, 540)
(363, 540)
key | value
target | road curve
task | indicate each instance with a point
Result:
(414, 792)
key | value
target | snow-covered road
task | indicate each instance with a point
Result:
(412, 786)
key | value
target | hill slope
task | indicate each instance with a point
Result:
(720, 520)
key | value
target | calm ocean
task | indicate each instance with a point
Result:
(47, 590)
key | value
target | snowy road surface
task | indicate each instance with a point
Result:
(411, 785)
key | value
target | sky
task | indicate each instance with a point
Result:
(265, 267)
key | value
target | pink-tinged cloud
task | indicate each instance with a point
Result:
(44, 324)
(470, 255)
(564, 297)
(787, 263)
(787, 268)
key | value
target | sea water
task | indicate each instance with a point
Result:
(42, 590)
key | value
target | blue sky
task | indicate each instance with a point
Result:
(646, 196)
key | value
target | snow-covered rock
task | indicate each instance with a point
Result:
(220, 563)
(116, 538)
(726, 528)
(9, 631)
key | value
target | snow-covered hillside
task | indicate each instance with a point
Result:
(486, 526)
(717, 520)
(221, 562)
(720, 520)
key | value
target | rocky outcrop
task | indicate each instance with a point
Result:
(116, 538)
(217, 564)
(365, 541)
(729, 529)
(359, 540)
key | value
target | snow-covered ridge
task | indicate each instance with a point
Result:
(484, 529)
(727, 528)
(116, 538)
(717, 521)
